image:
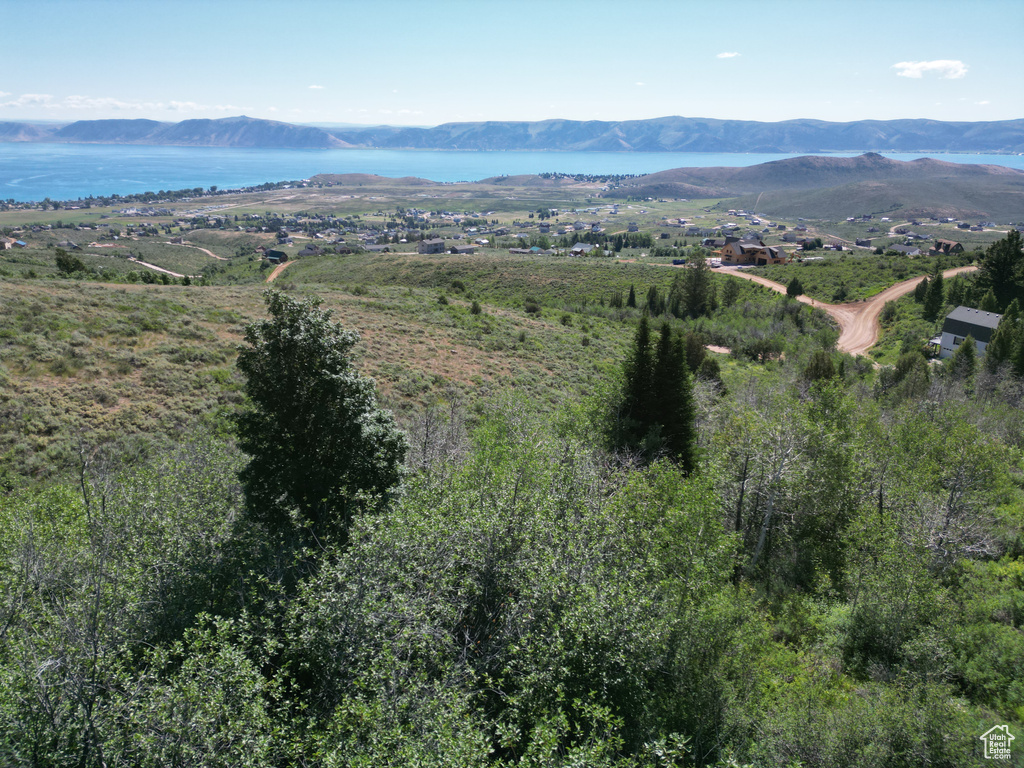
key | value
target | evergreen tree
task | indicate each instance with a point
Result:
(820, 367)
(964, 362)
(1004, 341)
(639, 384)
(672, 407)
(657, 414)
(957, 291)
(921, 290)
(731, 292)
(989, 302)
(631, 301)
(794, 288)
(318, 444)
(1002, 270)
(934, 300)
(696, 286)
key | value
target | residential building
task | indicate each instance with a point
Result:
(963, 322)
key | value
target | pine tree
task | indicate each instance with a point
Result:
(920, 291)
(1002, 269)
(934, 300)
(319, 446)
(657, 404)
(964, 362)
(673, 408)
(639, 384)
(631, 301)
(989, 302)
(794, 288)
(1004, 341)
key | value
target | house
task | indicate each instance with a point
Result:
(544, 227)
(433, 245)
(460, 250)
(963, 322)
(906, 250)
(947, 247)
(864, 242)
(69, 245)
(310, 250)
(275, 256)
(6, 243)
(755, 252)
(581, 249)
(633, 227)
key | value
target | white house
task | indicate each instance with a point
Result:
(964, 321)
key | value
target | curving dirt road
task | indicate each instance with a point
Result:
(278, 270)
(204, 250)
(858, 320)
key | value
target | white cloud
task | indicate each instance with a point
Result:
(947, 69)
(316, 87)
(640, 83)
(30, 100)
(983, 103)
(77, 102)
(727, 55)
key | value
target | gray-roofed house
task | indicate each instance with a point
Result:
(963, 322)
(433, 245)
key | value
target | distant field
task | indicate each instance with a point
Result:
(104, 363)
(842, 277)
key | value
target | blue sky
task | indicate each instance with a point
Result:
(414, 62)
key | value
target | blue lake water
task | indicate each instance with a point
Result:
(70, 171)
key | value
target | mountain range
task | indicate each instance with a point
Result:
(664, 134)
(830, 187)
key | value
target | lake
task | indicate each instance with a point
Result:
(32, 172)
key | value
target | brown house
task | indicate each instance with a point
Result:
(736, 251)
(947, 247)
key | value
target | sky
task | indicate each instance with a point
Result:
(427, 62)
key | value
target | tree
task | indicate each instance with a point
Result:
(1005, 339)
(934, 299)
(318, 444)
(672, 408)
(731, 292)
(964, 362)
(1002, 269)
(68, 264)
(657, 400)
(794, 288)
(696, 286)
(639, 384)
(820, 367)
(631, 301)
(921, 290)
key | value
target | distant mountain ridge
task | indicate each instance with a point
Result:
(827, 187)
(240, 131)
(664, 134)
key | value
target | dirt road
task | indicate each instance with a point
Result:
(858, 320)
(204, 250)
(278, 270)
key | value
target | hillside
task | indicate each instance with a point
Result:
(664, 134)
(827, 187)
(683, 134)
(225, 132)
